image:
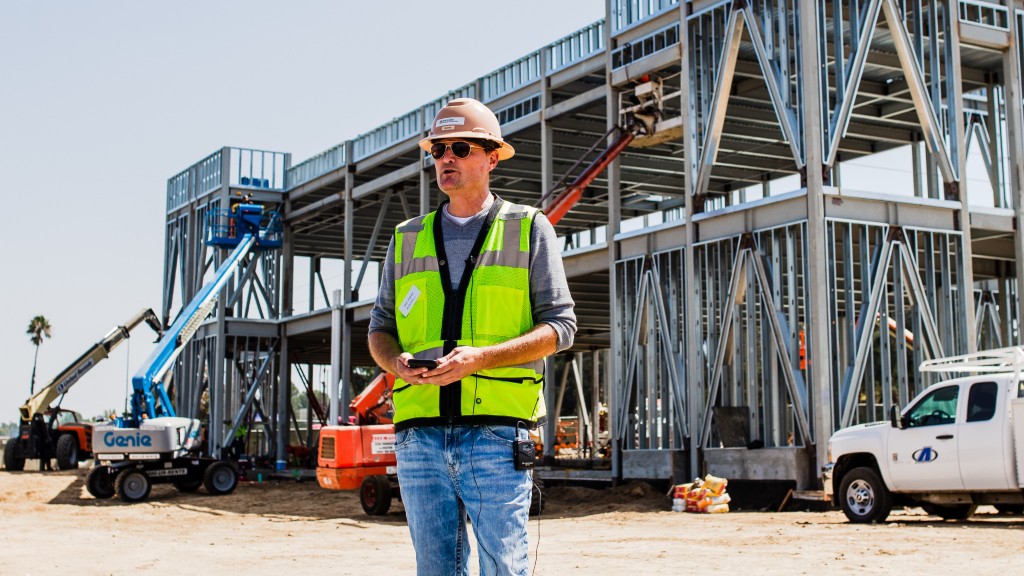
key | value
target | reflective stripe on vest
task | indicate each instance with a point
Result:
(496, 308)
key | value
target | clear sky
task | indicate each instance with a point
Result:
(101, 102)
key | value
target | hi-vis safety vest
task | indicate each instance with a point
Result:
(490, 305)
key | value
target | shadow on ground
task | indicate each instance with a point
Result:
(288, 499)
(304, 499)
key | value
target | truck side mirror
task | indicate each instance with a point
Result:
(895, 418)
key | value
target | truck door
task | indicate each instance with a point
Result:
(984, 447)
(923, 454)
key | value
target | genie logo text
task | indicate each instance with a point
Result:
(112, 439)
(925, 455)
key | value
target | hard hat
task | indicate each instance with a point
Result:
(467, 118)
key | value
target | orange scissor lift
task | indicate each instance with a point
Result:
(361, 455)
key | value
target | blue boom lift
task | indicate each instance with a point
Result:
(152, 444)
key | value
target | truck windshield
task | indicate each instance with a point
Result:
(938, 407)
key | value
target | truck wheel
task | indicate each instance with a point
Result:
(537, 498)
(12, 461)
(375, 495)
(864, 496)
(132, 485)
(67, 452)
(100, 482)
(220, 478)
(950, 511)
(187, 485)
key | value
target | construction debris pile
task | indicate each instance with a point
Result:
(707, 496)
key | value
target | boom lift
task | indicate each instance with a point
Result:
(639, 126)
(48, 432)
(153, 444)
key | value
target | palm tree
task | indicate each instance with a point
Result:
(38, 329)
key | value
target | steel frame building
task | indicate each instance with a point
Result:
(731, 292)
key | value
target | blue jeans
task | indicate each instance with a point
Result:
(447, 473)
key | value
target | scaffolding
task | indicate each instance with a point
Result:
(737, 301)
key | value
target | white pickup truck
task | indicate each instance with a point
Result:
(958, 445)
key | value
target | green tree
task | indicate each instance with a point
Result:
(38, 329)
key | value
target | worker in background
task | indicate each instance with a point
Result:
(233, 217)
(477, 285)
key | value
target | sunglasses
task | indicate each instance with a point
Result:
(459, 148)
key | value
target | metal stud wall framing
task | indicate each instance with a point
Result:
(898, 301)
(789, 306)
(650, 387)
(752, 297)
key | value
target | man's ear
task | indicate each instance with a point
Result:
(492, 160)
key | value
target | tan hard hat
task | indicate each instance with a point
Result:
(467, 118)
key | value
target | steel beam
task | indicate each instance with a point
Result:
(930, 127)
(1014, 94)
(850, 386)
(783, 112)
(847, 88)
(719, 100)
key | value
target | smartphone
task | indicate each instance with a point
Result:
(417, 363)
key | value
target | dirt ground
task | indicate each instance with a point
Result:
(50, 525)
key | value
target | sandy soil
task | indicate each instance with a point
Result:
(50, 525)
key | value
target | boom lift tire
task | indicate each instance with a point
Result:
(13, 462)
(220, 478)
(100, 482)
(67, 452)
(950, 511)
(864, 497)
(132, 485)
(187, 486)
(375, 495)
(1014, 509)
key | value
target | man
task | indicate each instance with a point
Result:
(478, 286)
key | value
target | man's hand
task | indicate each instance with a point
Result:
(463, 361)
(389, 356)
(403, 371)
(454, 366)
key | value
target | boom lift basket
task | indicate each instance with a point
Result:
(225, 227)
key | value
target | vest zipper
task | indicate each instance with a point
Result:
(450, 396)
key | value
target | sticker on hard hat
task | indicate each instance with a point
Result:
(452, 121)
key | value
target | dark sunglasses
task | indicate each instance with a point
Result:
(459, 148)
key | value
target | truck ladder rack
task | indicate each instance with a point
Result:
(997, 360)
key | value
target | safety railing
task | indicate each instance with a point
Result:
(208, 177)
(517, 110)
(223, 229)
(644, 46)
(324, 162)
(985, 13)
(625, 13)
(575, 47)
(178, 189)
(257, 168)
(398, 130)
(510, 77)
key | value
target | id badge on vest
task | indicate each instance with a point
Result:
(410, 300)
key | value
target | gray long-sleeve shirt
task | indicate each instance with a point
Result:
(550, 300)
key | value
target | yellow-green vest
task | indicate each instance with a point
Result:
(495, 307)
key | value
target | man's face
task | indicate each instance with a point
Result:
(467, 175)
